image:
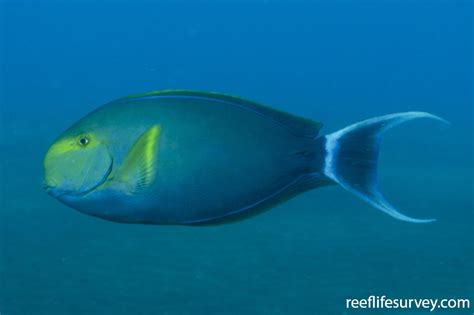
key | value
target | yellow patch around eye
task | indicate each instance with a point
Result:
(72, 144)
(62, 146)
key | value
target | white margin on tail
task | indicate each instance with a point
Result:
(332, 147)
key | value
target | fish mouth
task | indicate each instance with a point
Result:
(53, 190)
(57, 192)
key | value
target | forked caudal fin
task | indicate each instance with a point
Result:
(352, 155)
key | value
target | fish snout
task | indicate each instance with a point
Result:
(53, 190)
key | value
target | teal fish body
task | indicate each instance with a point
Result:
(197, 158)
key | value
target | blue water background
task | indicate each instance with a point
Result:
(337, 62)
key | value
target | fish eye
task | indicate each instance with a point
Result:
(83, 141)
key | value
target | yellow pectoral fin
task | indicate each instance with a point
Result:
(139, 166)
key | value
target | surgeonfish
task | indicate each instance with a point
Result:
(182, 157)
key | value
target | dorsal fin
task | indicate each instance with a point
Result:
(138, 169)
(297, 125)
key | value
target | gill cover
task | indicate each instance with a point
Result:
(72, 167)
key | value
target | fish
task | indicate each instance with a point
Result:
(179, 157)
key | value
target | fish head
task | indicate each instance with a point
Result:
(77, 163)
(105, 165)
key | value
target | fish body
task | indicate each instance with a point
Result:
(197, 158)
